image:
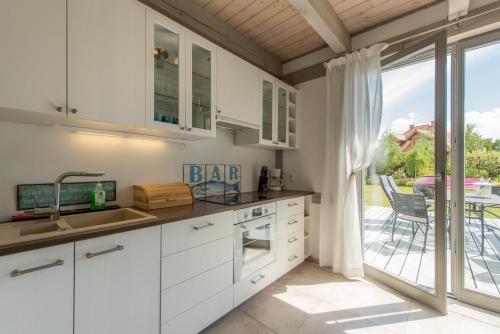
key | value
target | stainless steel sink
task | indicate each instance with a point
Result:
(98, 218)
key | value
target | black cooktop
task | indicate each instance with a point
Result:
(234, 199)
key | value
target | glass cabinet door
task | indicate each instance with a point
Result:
(267, 109)
(166, 73)
(200, 86)
(282, 121)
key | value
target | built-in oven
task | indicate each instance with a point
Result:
(254, 239)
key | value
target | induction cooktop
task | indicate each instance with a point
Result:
(234, 199)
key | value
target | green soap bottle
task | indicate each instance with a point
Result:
(98, 197)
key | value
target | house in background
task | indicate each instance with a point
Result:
(408, 139)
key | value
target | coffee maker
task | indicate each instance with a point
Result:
(275, 180)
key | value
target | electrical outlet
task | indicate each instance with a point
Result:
(291, 177)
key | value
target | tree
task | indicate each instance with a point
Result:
(420, 160)
(473, 140)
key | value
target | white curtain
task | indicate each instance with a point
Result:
(354, 110)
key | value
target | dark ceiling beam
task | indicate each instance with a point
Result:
(200, 21)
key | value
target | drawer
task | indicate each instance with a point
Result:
(290, 207)
(202, 315)
(184, 265)
(289, 225)
(253, 283)
(290, 254)
(193, 232)
(190, 293)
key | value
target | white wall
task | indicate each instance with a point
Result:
(306, 163)
(37, 154)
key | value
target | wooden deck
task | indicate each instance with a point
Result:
(404, 257)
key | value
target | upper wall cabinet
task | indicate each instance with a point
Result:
(277, 131)
(237, 90)
(200, 86)
(106, 61)
(180, 79)
(33, 55)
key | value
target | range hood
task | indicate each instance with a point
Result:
(234, 124)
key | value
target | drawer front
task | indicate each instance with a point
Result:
(202, 315)
(290, 225)
(184, 265)
(190, 233)
(190, 293)
(290, 207)
(290, 252)
(251, 284)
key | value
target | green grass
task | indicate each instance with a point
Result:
(375, 196)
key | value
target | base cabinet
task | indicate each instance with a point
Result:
(117, 283)
(36, 291)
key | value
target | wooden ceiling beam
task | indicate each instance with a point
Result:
(457, 9)
(321, 16)
(202, 22)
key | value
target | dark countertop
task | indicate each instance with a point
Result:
(166, 215)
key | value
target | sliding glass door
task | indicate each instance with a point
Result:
(405, 187)
(476, 194)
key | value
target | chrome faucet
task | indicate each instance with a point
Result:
(56, 208)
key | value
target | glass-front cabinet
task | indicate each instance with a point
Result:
(268, 109)
(166, 98)
(180, 79)
(282, 115)
(274, 112)
(200, 89)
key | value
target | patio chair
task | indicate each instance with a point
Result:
(388, 192)
(424, 189)
(412, 208)
(393, 184)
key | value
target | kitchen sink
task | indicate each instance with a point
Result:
(98, 218)
(38, 227)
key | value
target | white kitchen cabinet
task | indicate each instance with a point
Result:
(117, 283)
(237, 90)
(200, 86)
(274, 111)
(33, 55)
(36, 289)
(106, 61)
(165, 73)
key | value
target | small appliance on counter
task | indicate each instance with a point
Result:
(263, 179)
(275, 182)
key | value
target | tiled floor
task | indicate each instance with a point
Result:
(311, 299)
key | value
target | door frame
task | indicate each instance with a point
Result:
(463, 294)
(438, 300)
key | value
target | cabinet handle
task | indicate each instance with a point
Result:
(291, 241)
(293, 203)
(17, 272)
(255, 280)
(295, 221)
(291, 258)
(189, 129)
(182, 128)
(59, 108)
(107, 251)
(219, 111)
(74, 110)
(203, 226)
(275, 142)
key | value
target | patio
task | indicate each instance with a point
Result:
(404, 257)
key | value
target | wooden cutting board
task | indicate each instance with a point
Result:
(157, 196)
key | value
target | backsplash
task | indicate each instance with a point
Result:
(32, 154)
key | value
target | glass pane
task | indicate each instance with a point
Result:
(202, 82)
(256, 243)
(166, 75)
(482, 170)
(399, 191)
(282, 115)
(267, 110)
